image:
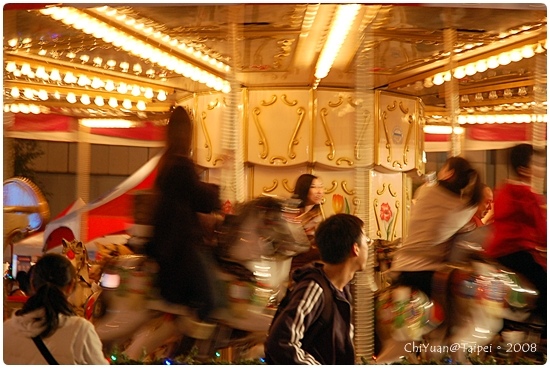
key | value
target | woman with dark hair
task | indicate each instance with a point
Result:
(310, 190)
(440, 212)
(177, 244)
(48, 315)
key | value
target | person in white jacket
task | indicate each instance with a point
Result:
(48, 314)
(439, 213)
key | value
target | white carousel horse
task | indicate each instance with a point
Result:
(76, 252)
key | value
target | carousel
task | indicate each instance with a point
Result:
(370, 98)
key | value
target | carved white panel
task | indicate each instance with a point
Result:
(209, 117)
(344, 126)
(386, 205)
(278, 127)
(397, 131)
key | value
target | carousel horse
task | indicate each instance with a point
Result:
(104, 253)
(251, 260)
(76, 252)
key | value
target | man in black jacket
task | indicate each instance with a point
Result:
(302, 333)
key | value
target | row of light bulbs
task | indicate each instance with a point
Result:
(98, 29)
(491, 62)
(25, 108)
(502, 119)
(148, 31)
(85, 99)
(96, 61)
(82, 80)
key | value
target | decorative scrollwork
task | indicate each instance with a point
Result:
(409, 132)
(286, 186)
(263, 140)
(402, 107)
(344, 159)
(392, 106)
(287, 102)
(218, 159)
(269, 103)
(278, 158)
(387, 134)
(333, 188)
(345, 188)
(212, 104)
(381, 191)
(352, 103)
(392, 192)
(397, 164)
(375, 208)
(272, 188)
(337, 103)
(293, 141)
(393, 233)
(207, 140)
(329, 142)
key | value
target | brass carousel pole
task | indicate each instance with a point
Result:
(83, 177)
(451, 91)
(539, 125)
(232, 128)
(362, 286)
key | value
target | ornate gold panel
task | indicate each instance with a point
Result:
(397, 131)
(209, 113)
(343, 125)
(386, 204)
(279, 127)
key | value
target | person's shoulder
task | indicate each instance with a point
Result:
(75, 322)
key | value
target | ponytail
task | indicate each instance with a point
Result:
(54, 302)
(51, 274)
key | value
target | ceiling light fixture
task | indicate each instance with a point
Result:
(91, 25)
(343, 20)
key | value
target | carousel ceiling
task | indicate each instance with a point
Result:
(137, 61)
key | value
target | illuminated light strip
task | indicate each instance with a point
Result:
(442, 129)
(492, 62)
(109, 34)
(160, 37)
(107, 123)
(502, 118)
(343, 20)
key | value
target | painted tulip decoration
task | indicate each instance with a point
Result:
(337, 203)
(386, 215)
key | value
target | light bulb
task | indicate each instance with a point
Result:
(113, 102)
(71, 98)
(127, 104)
(15, 92)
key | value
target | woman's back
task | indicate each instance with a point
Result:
(74, 342)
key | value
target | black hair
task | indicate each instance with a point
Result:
(521, 156)
(336, 235)
(303, 184)
(50, 275)
(465, 181)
